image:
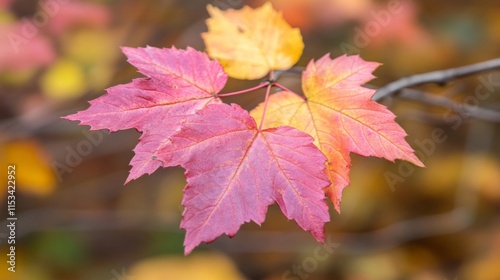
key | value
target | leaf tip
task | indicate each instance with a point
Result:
(128, 51)
(76, 117)
(418, 162)
(212, 10)
(334, 198)
(129, 179)
(319, 234)
(71, 117)
(188, 249)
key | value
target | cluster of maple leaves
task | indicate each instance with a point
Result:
(291, 149)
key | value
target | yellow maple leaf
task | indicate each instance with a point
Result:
(251, 42)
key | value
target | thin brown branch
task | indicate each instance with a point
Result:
(437, 77)
(296, 70)
(459, 108)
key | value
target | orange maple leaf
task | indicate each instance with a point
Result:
(251, 42)
(339, 113)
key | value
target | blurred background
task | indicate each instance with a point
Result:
(77, 220)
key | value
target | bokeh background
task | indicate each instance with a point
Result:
(77, 220)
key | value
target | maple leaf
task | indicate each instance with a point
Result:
(251, 42)
(339, 113)
(181, 82)
(234, 172)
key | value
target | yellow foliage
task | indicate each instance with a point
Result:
(90, 46)
(251, 42)
(33, 172)
(65, 79)
(206, 266)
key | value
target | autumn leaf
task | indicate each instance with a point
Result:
(339, 113)
(180, 83)
(234, 168)
(251, 42)
(234, 172)
(33, 173)
(64, 79)
(200, 266)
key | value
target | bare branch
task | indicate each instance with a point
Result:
(438, 77)
(441, 101)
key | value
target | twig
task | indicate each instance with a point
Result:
(266, 101)
(283, 88)
(438, 77)
(296, 70)
(441, 101)
(262, 85)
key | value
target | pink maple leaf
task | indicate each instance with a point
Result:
(180, 83)
(234, 172)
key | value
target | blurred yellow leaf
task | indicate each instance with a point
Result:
(485, 269)
(251, 42)
(65, 79)
(6, 17)
(25, 268)
(378, 266)
(207, 266)
(91, 46)
(493, 23)
(33, 172)
(444, 173)
(95, 51)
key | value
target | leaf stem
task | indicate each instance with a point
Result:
(264, 84)
(268, 91)
(280, 86)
